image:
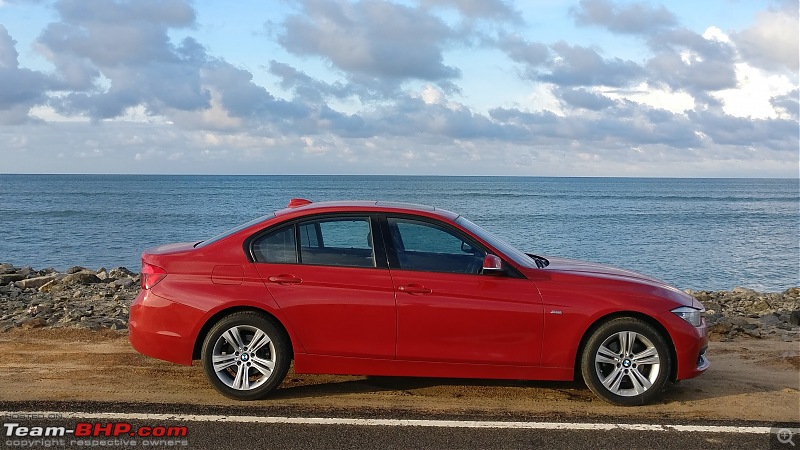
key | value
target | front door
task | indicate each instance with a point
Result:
(448, 311)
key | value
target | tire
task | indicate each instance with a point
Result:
(626, 378)
(241, 373)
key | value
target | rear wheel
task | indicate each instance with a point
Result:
(626, 362)
(246, 356)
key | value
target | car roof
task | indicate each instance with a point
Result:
(369, 206)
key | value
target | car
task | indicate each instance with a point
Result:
(398, 289)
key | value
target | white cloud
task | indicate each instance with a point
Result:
(661, 98)
(752, 96)
(430, 95)
(772, 41)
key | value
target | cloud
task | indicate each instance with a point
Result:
(373, 38)
(310, 89)
(530, 54)
(124, 45)
(629, 18)
(388, 96)
(478, 9)
(22, 88)
(787, 104)
(772, 41)
(582, 98)
(583, 66)
(687, 60)
(775, 134)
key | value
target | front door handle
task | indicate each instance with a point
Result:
(414, 289)
(284, 279)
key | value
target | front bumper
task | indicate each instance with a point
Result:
(690, 344)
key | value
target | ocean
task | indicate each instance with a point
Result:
(708, 234)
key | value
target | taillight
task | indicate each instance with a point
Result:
(151, 275)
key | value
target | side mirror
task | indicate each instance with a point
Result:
(492, 264)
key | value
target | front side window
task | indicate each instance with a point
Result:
(428, 247)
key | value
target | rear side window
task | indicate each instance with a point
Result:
(337, 242)
(333, 241)
(277, 247)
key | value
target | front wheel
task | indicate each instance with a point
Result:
(245, 356)
(626, 362)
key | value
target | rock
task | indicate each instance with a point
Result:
(10, 278)
(80, 278)
(738, 321)
(76, 269)
(102, 274)
(125, 282)
(6, 268)
(121, 272)
(744, 290)
(753, 333)
(34, 283)
(794, 317)
(35, 322)
(792, 292)
(723, 326)
(770, 320)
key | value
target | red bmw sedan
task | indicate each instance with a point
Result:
(379, 288)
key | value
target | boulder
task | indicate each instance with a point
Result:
(120, 272)
(80, 278)
(34, 283)
(10, 278)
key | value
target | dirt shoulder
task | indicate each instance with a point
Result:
(750, 379)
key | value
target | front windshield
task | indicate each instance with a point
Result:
(507, 249)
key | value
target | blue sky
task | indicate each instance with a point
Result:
(450, 87)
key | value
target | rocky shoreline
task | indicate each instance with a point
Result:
(99, 299)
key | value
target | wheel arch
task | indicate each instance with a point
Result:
(219, 315)
(636, 315)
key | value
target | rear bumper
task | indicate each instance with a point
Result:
(162, 328)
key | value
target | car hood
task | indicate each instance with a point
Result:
(578, 267)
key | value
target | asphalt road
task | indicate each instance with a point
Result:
(272, 428)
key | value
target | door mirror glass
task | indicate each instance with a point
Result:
(492, 264)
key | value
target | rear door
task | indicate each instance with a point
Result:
(447, 310)
(332, 283)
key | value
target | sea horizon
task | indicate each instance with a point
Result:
(393, 175)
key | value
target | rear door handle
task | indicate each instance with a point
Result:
(284, 279)
(414, 289)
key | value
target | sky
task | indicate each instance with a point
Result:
(419, 87)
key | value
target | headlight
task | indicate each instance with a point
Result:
(691, 315)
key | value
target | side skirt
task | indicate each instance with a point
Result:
(343, 365)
